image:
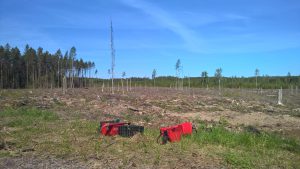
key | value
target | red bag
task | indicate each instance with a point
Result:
(110, 129)
(173, 133)
(187, 128)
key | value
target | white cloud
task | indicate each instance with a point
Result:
(191, 40)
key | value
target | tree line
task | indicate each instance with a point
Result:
(217, 81)
(264, 82)
(41, 69)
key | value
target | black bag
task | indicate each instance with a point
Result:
(130, 130)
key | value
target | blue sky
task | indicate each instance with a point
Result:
(236, 35)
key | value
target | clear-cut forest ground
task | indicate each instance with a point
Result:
(238, 128)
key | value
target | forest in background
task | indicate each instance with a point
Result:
(264, 82)
(41, 69)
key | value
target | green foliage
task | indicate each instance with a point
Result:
(38, 68)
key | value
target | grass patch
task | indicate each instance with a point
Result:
(24, 117)
(45, 132)
(238, 160)
(250, 150)
(246, 140)
(21, 127)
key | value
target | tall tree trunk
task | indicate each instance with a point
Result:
(219, 86)
(64, 85)
(154, 82)
(1, 85)
(13, 77)
(280, 96)
(27, 75)
(112, 57)
(127, 84)
(46, 78)
(102, 87)
(69, 78)
(53, 79)
(256, 83)
(39, 74)
(72, 81)
(176, 84)
(130, 84)
(58, 73)
(122, 86)
(82, 79)
(182, 83)
(89, 77)
(189, 83)
(85, 78)
(36, 78)
(32, 76)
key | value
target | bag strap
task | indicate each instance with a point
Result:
(194, 128)
(164, 138)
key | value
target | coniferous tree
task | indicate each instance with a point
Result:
(36, 68)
